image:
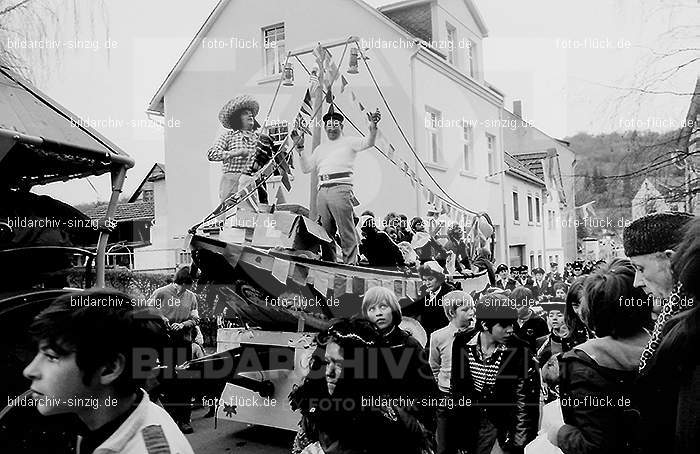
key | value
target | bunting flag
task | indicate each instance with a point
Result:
(280, 269)
(358, 285)
(321, 283)
(340, 285)
(387, 149)
(300, 274)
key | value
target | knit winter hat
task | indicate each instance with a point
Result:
(655, 232)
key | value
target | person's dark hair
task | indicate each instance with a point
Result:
(236, 123)
(415, 221)
(367, 213)
(182, 276)
(613, 306)
(494, 309)
(522, 296)
(98, 326)
(559, 285)
(573, 298)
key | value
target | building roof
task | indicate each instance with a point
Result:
(42, 141)
(156, 173)
(533, 162)
(473, 10)
(413, 16)
(134, 211)
(520, 170)
(157, 106)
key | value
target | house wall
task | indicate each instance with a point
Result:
(213, 75)
(456, 14)
(158, 255)
(520, 137)
(523, 232)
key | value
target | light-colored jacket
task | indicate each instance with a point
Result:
(148, 430)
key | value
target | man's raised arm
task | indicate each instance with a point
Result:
(368, 141)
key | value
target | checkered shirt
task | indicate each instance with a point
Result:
(230, 141)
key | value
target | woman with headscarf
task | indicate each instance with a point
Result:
(340, 399)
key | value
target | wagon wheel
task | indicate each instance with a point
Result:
(255, 296)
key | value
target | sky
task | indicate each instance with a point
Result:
(561, 58)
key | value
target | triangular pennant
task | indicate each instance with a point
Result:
(280, 269)
(232, 253)
(340, 285)
(362, 108)
(300, 274)
(399, 288)
(352, 95)
(358, 285)
(321, 283)
(343, 83)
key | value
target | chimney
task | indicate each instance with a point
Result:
(518, 108)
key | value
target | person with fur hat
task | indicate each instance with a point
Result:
(428, 308)
(649, 243)
(237, 145)
(671, 381)
(334, 161)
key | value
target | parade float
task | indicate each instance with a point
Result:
(42, 239)
(265, 266)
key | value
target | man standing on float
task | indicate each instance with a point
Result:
(335, 161)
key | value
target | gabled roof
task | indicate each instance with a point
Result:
(533, 162)
(414, 16)
(519, 170)
(135, 211)
(156, 105)
(156, 173)
(473, 10)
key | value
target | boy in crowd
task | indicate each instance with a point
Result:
(497, 372)
(92, 361)
(459, 310)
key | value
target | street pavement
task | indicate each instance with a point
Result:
(236, 437)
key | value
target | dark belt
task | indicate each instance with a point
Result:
(330, 185)
(334, 176)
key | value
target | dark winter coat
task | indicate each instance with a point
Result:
(596, 386)
(533, 328)
(430, 314)
(671, 389)
(511, 404)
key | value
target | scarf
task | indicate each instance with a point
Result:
(670, 308)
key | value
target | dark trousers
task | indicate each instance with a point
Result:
(178, 397)
(488, 443)
(446, 429)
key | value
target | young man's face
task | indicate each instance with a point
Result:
(380, 314)
(554, 269)
(501, 333)
(334, 365)
(654, 274)
(555, 318)
(432, 282)
(464, 316)
(539, 277)
(578, 271)
(57, 382)
(503, 275)
(560, 293)
(333, 129)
